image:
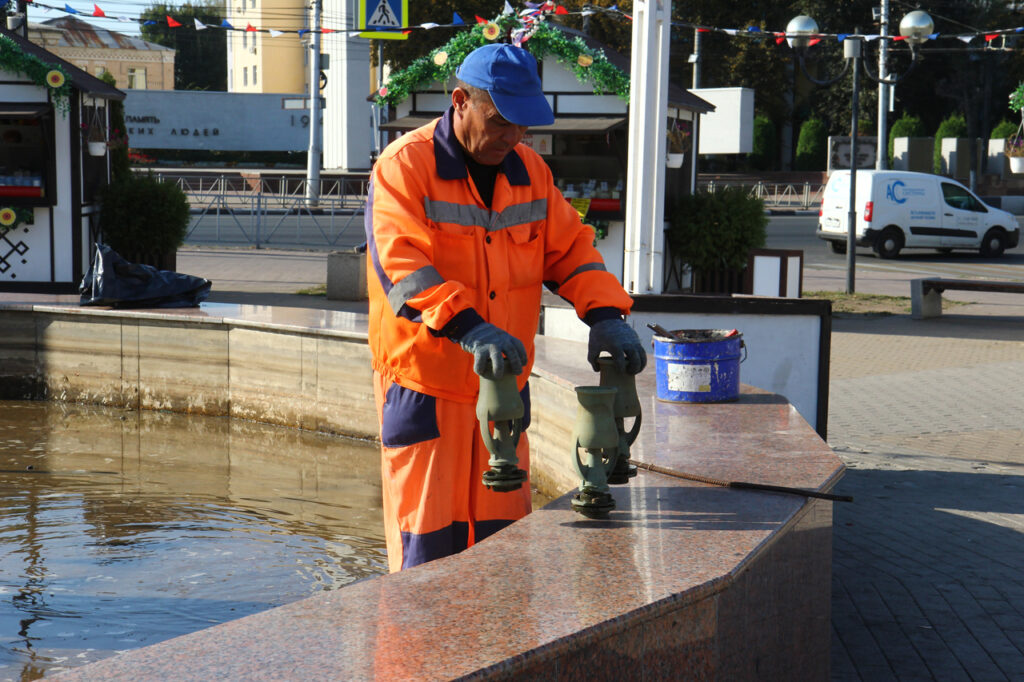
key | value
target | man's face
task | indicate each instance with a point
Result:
(483, 132)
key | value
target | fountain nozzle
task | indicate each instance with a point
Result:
(499, 402)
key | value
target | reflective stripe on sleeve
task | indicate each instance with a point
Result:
(587, 267)
(413, 285)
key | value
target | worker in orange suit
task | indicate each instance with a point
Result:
(464, 228)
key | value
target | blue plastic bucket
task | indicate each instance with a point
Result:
(701, 366)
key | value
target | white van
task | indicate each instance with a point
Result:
(900, 209)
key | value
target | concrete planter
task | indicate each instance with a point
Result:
(346, 276)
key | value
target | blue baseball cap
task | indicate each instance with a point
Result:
(509, 75)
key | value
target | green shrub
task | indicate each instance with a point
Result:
(765, 144)
(1003, 130)
(953, 126)
(711, 231)
(811, 146)
(142, 214)
(904, 126)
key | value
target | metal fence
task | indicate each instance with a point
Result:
(259, 210)
(776, 195)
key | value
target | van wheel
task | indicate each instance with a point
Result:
(889, 243)
(837, 247)
(993, 244)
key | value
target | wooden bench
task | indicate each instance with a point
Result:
(926, 294)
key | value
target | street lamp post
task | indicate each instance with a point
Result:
(916, 27)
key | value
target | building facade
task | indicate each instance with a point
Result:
(135, 63)
(261, 62)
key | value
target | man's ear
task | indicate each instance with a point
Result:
(460, 98)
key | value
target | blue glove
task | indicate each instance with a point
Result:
(494, 349)
(619, 340)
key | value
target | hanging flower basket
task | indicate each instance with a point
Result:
(1016, 164)
(674, 159)
(97, 148)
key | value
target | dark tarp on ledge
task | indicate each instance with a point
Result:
(112, 281)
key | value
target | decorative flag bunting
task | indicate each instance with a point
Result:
(250, 28)
(535, 12)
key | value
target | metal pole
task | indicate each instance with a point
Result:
(852, 51)
(315, 146)
(882, 154)
(696, 60)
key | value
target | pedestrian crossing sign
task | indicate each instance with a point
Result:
(383, 18)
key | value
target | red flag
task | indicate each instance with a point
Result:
(171, 23)
(327, 30)
(895, 38)
(989, 37)
(250, 27)
(480, 19)
(703, 30)
(779, 39)
(814, 41)
(97, 12)
(561, 10)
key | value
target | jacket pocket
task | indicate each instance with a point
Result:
(455, 256)
(525, 255)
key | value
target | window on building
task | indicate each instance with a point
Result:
(137, 78)
(245, 40)
(245, 75)
(26, 155)
(252, 3)
(98, 71)
(254, 75)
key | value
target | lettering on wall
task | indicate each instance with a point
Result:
(181, 119)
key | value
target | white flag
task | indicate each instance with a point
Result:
(199, 25)
(508, 9)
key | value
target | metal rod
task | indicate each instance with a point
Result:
(741, 484)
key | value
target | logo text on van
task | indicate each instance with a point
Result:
(898, 191)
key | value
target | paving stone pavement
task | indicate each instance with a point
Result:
(928, 415)
(928, 561)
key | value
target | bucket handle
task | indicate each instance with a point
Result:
(743, 345)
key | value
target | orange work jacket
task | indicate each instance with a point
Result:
(436, 254)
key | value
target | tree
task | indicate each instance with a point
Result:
(765, 148)
(810, 148)
(905, 126)
(954, 126)
(200, 61)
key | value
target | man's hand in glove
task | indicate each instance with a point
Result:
(494, 348)
(619, 340)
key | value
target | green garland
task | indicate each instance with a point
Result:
(14, 60)
(604, 76)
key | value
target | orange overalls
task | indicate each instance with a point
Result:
(441, 261)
